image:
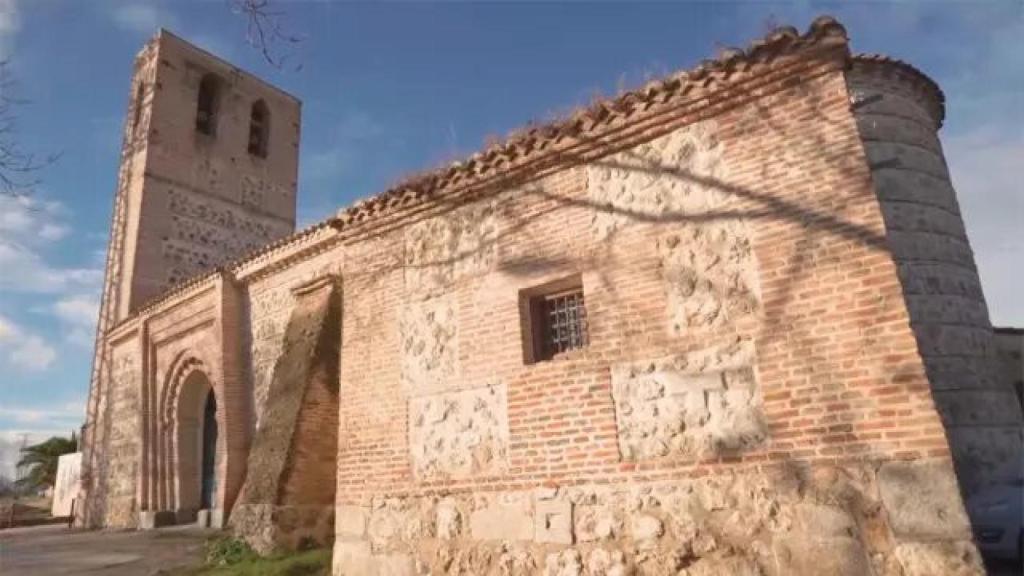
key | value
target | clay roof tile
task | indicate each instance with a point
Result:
(537, 140)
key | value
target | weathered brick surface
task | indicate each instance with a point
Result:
(186, 203)
(756, 396)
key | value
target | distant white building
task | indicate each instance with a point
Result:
(69, 468)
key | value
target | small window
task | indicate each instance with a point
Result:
(206, 105)
(259, 129)
(557, 319)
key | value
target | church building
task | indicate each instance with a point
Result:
(726, 323)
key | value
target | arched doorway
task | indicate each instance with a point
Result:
(208, 476)
(198, 452)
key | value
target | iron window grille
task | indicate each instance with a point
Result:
(559, 323)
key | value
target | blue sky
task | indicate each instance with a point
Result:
(392, 88)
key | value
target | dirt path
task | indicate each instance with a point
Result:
(56, 550)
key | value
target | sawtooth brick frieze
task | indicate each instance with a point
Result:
(765, 351)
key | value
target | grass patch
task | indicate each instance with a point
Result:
(233, 557)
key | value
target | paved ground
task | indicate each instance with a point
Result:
(56, 550)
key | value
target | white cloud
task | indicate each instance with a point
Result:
(80, 310)
(27, 225)
(32, 353)
(27, 219)
(72, 411)
(26, 271)
(78, 315)
(23, 349)
(53, 232)
(10, 23)
(986, 173)
(8, 331)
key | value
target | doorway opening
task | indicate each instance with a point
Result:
(208, 489)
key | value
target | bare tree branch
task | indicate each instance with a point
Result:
(18, 167)
(265, 31)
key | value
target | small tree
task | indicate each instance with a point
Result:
(41, 461)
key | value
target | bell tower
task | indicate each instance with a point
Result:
(208, 172)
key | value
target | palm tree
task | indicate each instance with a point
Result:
(41, 459)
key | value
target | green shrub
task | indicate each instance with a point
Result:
(227, 550)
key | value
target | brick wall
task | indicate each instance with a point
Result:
(745, 248)
(752, 397)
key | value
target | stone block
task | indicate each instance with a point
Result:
(565, 563)
(445, 249)
(429, 353)
(448, 522)
(730, 565)
(553, 521)
(981, 408)
(150, 519)
(985, 455)
(352, 559)
(803, 556)
(350, 521)
(393, 564)
(889, 104)
(356, 559)
(217, 518)
(825, 521)
(596, 523)
(506, 519)
(946, 558)
(203, 518)
(923, 500)
(907, 157)
(646, 530)
(699, 403)
(459, 433)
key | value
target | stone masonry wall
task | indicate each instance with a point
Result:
(121, 446)
(940, 281)
(778, 521)
(692, 405)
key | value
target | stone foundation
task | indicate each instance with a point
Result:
(889, 518)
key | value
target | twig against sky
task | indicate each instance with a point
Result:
(18, 167)
(265, 30)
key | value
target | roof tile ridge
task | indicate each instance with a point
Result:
(531, 140)
(528, 140)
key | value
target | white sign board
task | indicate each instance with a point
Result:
(69, 469)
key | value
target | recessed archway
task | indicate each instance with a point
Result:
(198, 446)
